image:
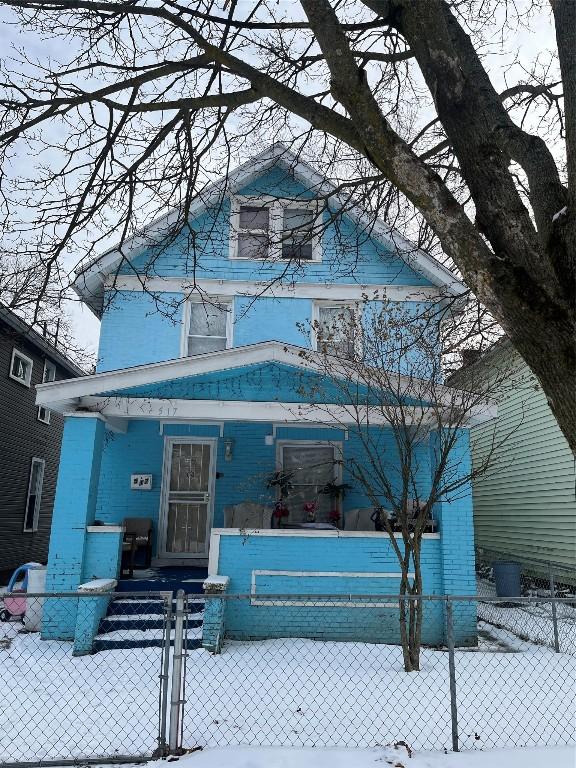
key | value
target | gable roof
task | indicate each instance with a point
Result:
(89, 282)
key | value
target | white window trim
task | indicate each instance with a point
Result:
(276, 206)
(47, 412)
(317, 305)
(42, 462)
(48, 364)
(16, 353)
(227, 300)
(338, 456)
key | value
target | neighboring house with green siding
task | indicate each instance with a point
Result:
(525, 503)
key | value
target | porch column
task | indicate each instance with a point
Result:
(74, 509)
(456, 524)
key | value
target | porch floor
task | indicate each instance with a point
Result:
(166, 578)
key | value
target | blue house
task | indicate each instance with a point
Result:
(192, 411)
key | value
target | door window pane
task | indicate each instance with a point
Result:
(190, 468)
(186, 527)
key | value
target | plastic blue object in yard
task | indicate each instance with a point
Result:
(507, 578)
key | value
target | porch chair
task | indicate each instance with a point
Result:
(413, 510)
(247, 514)
(137, 536)
(359, 519)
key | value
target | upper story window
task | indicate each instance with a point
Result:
(336, 330)
(21, 367)
(208, 327)
(48, 375)
(275, 229)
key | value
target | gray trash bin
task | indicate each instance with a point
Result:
(507, 578)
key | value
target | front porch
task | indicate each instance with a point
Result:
(146, 443)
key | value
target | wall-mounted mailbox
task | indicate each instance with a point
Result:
(141, 482)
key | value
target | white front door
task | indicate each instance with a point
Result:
(187, 497)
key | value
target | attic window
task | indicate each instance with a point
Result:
(275, 229)
(253, 232)
(297, 234)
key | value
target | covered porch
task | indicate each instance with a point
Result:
(188, 443)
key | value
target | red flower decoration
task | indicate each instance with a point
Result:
(281, 510)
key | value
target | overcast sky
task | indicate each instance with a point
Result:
(527, 42)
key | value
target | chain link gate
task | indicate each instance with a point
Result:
(93, 686)
(148, 688)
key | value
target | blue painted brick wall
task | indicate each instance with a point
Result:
(74, 508)
(240, 556)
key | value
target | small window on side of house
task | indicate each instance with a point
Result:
(207, 328)
(34, 496)
(49, 374)
(21, 367)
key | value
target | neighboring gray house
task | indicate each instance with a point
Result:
(525, 505)
(30, 438)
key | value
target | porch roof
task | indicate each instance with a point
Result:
(260, 382)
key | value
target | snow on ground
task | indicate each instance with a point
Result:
(270, 757)
(309, 693)
(54, 705)
(290, 692)
(530, 622)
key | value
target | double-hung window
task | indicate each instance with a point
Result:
(34, 496)
(48, 375)
(21, 367)
(285, 230)
(208, 327)
(297, 233)
(336, 331)
(253, 232)
(311, 466)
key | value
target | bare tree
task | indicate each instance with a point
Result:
(391, 96)
(384, 384)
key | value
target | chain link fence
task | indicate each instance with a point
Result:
(538, 578)
(108, 701)
(504, 692)
(543, 622)
(142, 685)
